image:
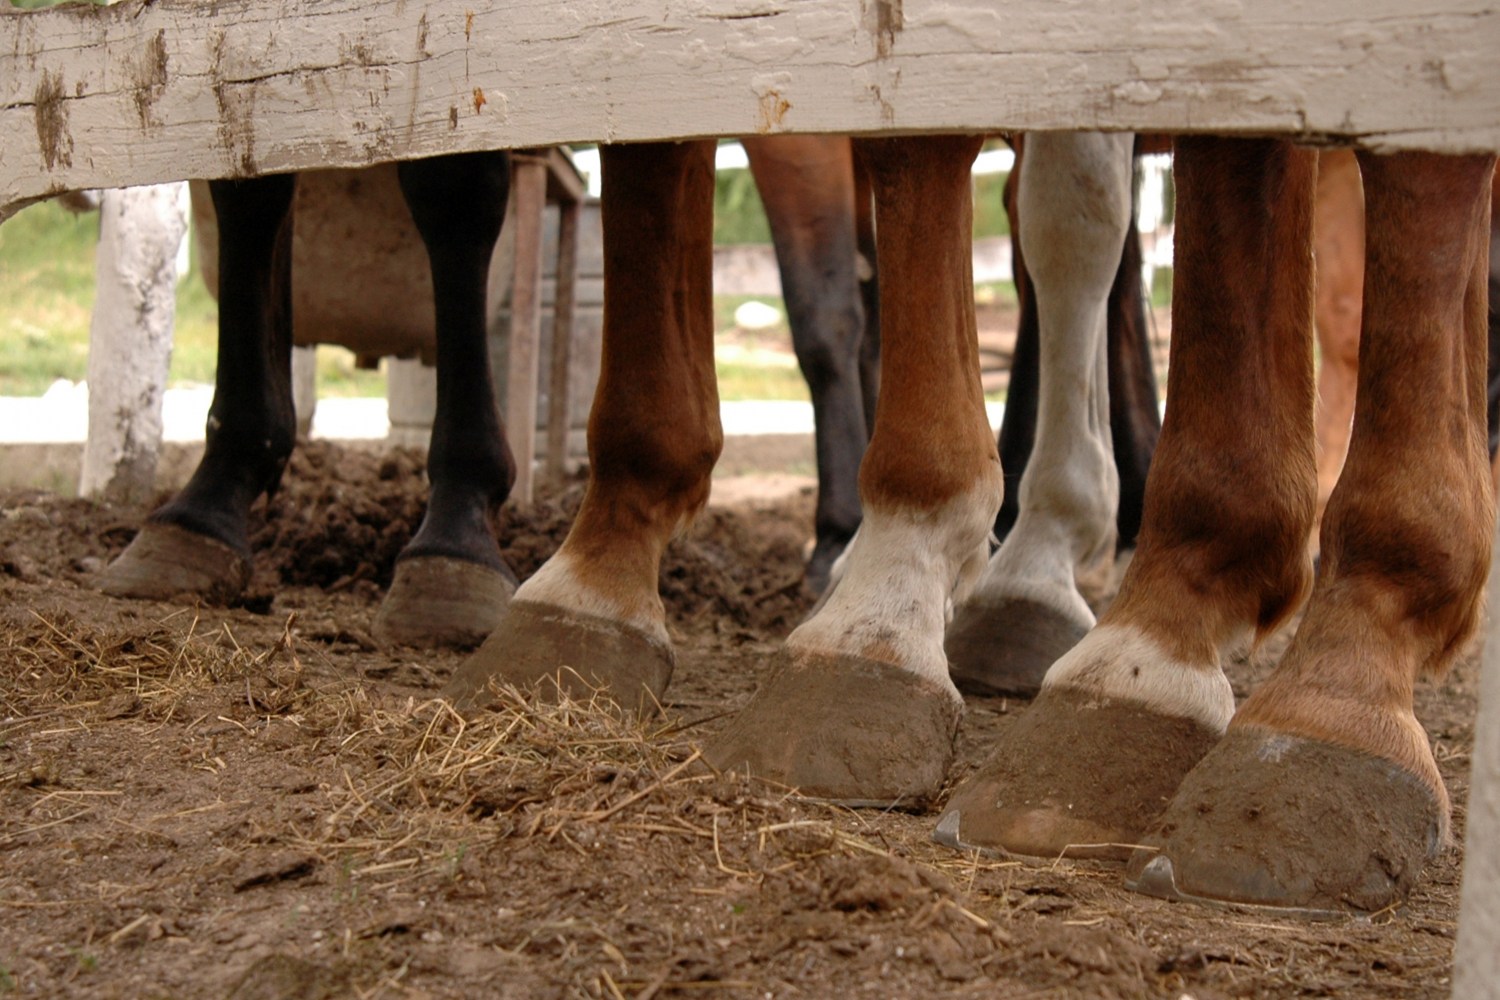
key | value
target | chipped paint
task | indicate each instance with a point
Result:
(52, 122)
(772, 105)
(887, 20)
(773, 108)
(150, 77)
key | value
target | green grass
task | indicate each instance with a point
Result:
(749, 381)
(47, 286)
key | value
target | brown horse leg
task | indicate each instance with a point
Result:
(1339, 250)
(858, 706)
(592, 616)
(1128, 711)
(1325, 794)
(807, 186)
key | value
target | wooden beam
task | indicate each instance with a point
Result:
(156, 90)
(529, 179)
(560, 386)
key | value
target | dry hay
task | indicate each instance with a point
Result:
(208, 802)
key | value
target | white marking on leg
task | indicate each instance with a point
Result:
(899, 578)
(1119, 663)
(558, 583)
(1075, 210)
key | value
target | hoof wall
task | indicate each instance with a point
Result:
(164, 561)
(1074, 777)
(844, 730)
(1005, 647)
(1289, 824)
(439, 601)
(563, 652)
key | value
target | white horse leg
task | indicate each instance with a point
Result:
(1027, 611)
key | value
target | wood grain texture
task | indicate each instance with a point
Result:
(149, 91)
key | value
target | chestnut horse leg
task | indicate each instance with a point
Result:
(198, 543)
(858, 706)
(451, 586)
(1027, 611)
(1324, 794)
(807, 186)
(592, 616)
(1339, 253)
(1128, 711)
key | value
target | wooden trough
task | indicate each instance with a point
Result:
(145, 91)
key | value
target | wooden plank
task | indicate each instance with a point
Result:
(529, 177)
(155, 90)
(559, 393)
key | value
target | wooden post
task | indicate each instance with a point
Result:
(130, 339)
(559, 408)
(530, 184)
(566, 187)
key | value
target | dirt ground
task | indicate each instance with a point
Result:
(257, 802)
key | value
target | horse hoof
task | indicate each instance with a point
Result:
(1075, 776)
(845, 730)
(1005, 647)
(164, 561)
(439, 601)
(561, 652)
(1291, 824)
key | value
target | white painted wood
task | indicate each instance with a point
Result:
(411, 392)
(154, 90)
(305, 389)
(1476, 966)
(130, 338)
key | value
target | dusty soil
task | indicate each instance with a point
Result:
(257, 802)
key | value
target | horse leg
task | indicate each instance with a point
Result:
(1126, 713)
(1018, 425)
(807, 186)
(198, 543)
(1027, 611)
(451, 585)
(1339, 252)
(858, 705)
(869, 290)
(1134, 408)
(592, 616)
(1134, 413)
(1324, 794)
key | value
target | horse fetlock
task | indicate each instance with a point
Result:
(1117, 662)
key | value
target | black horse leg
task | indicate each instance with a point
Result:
(1134, 411)
(198, 542)
(451, 585)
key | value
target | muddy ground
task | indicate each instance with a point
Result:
(257, 802)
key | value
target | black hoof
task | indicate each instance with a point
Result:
(1005, 647)
(164, 561)
(439, 601)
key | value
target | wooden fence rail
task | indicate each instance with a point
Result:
(155, 90)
